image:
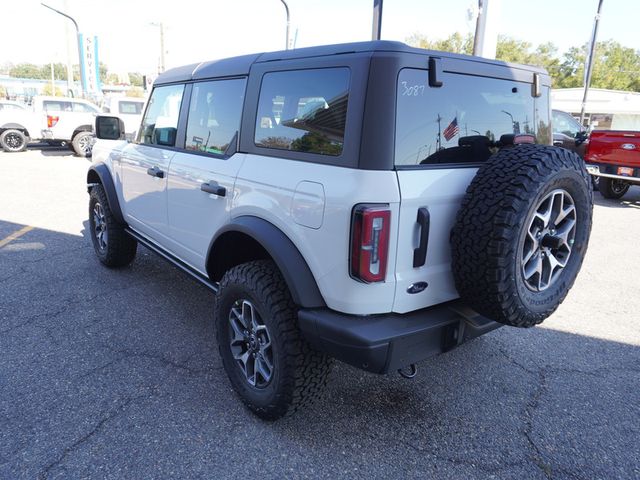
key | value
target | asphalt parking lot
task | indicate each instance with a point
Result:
(113, 373)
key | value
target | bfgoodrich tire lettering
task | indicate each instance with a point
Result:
(298, 373)
(113, 246)
(491, 228)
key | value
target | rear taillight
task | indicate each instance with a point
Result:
(52, 120)
(370, 226)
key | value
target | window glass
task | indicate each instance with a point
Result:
(10, 106)
(56, 106)
(81, 107)
(214, 115)
(565, 123)
(160, 123)
(303, 110)
(130, 108)
(461, 121)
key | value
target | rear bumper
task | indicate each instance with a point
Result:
(384, 343)
(611, 171)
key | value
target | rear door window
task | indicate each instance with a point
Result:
(303, 110)
(160, 123)
(464, 120)
(214, 115)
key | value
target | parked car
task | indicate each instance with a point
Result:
(129, 109)
(8, 106)
(568, 133)
(613, 157)
(338, 203)
(56, 120)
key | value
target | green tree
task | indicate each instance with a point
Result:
(26, 70)
(56, 91)
(454, 43)
(614, 67)
(136, 79)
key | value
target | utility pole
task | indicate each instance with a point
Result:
(69, 61)
(589, 63)
(286, 7)
(75, 24)
(377, 20)
(161, 64)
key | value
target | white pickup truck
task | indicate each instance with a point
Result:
(57, 120)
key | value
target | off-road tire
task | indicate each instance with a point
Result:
(299, 371)
(493, 221)
(120, 248)
(13, 141)
(80, 142)
(613, 188)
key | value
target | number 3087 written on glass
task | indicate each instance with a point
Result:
(412, 90)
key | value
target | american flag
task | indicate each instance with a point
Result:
(452, 130)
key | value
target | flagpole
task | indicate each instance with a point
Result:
(438, 142)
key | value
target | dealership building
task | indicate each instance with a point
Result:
(605, 109)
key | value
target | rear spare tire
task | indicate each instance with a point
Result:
(522, 232)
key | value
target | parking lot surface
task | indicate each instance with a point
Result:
(113, 373)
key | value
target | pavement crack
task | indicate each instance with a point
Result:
(69, 450)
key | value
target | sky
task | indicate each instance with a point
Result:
(199, 30)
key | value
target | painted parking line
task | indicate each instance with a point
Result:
(15, 235)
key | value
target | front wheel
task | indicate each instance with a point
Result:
(113, 246)
(83, 144)
(13, 141)
(612, 187)
(273, 369)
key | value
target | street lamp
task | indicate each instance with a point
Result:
(75, 24)
(286, 7)
(513, 123)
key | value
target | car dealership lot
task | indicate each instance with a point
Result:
(113, 373)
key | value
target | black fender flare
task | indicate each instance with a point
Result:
(15, 126)
(295, 270)
(104, 176)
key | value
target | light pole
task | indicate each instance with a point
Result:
(286, 7)
(376, 29)
(75, 24)
(589, 63)
(160, 25)
(513, 123)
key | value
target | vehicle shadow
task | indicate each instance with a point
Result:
(99, 361)
(630, 200)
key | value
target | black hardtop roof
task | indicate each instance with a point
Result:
(239, 66)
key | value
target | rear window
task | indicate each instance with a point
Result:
(464, 120)
(303, 110)
(130, 108)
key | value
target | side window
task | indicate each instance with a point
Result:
(565, 123)
(303, 110)
(160, 123)
(56, 106)
(81, 107)
(130, 108)
(214, 115)
(461, 121)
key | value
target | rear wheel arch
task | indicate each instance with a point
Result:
(251, 238)
(82, 128)
(99, 173)
(15, 126)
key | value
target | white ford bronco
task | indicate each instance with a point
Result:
(369, 202)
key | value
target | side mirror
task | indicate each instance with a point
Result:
(109, 128)
(581, 137)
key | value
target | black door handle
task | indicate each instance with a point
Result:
(420, 253)
(155, 172)
(214, 188)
